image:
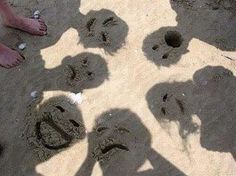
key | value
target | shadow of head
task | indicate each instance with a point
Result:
(103, 29)
(211, 21)
(216, 108)
(165, 46)
(119, 138)
(84, 71)
(210, 96)
(52, 126)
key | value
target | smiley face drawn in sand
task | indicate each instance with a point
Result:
(53, 126)
(171, 103)
(121, 144)
(83, 71)
(210, 96)
(165, 46)
(103, 29)
(118, 140)
(113, 137)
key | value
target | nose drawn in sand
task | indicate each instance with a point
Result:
(52, 126)
(121, 144)
(195, 19)
(210, 96)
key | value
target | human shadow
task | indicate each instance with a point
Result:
(210, 96)
(196, 19)
(120, 143)
(75, 74)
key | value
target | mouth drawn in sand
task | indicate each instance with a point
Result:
(164, 47)
(54, 127)
(112, 145)
(108, 148)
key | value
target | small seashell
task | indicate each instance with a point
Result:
(34, 94)
(22, 46)
(72, 98)
(37, 12)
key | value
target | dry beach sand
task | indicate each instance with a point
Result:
(158, 84)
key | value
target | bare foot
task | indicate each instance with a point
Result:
(32, 26)
(9, 58)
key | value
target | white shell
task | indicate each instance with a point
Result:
(37, 12)
(75, 98)
(22, 46)
(34, 94)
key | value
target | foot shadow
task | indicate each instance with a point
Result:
(209, 96)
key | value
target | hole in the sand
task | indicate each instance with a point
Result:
(173, 39)
(60, 108)
(165, 97)
(155, 47)
(118, 146)
(163, 110)
(165, 56)
(74, 123)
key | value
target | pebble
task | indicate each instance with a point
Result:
(22, 46)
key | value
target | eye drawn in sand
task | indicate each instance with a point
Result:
(53, 127)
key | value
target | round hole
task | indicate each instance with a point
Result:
(173, 39)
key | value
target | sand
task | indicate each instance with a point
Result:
(158, 85)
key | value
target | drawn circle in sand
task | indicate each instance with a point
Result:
(53, 126)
